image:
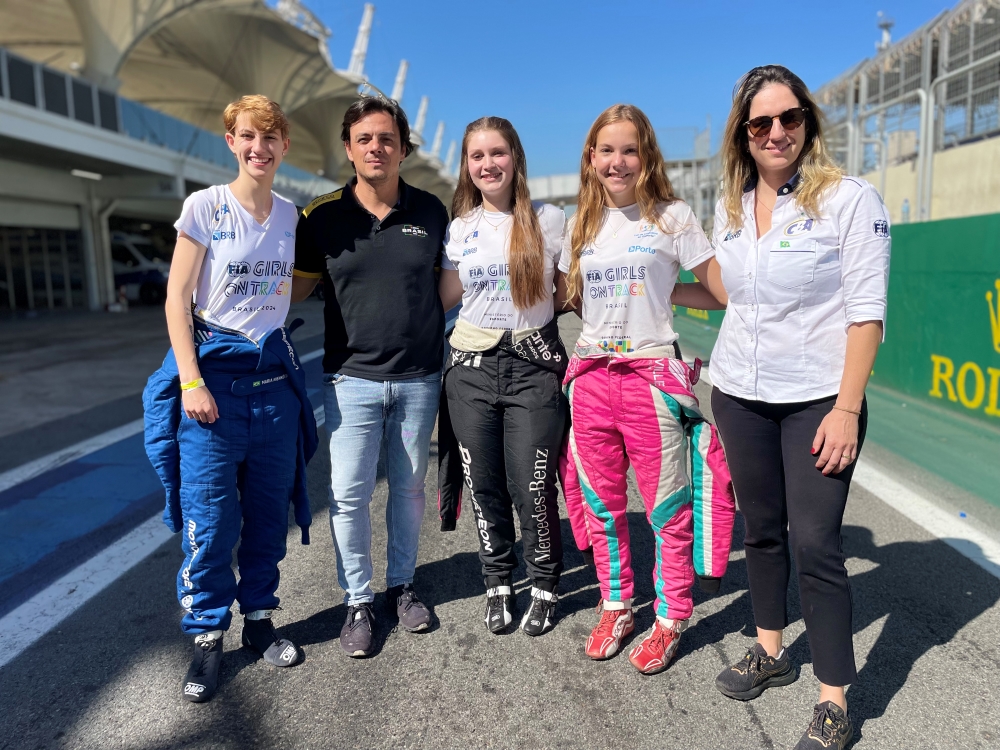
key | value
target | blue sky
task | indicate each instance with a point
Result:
(551, 67)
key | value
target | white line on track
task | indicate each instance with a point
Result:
(46, 609)
(62, 457)
(23, 626)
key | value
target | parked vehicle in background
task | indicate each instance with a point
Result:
(141, 267)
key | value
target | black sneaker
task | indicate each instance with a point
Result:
(356, 636)
(498, 609)
(538, 620)
(755, 673)
(260, 635)
(203, 675)
(830, 729)
(413, 614)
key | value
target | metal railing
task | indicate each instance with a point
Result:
(936, 89)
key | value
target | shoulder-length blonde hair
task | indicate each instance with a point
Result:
(653, 187)
(526, 253)
(817, 171)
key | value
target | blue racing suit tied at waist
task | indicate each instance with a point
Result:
(230, 363)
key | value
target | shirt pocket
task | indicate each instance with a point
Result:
(792, 263)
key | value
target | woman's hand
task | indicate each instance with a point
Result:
(836, 441)
(199, 404)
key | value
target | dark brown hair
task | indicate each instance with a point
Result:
(366, 105)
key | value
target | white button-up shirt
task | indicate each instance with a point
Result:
(794, 292)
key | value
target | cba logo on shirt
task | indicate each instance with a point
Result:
(470, 237)
(476, 272)
(799, 226)
(221, 210)
(218, 236)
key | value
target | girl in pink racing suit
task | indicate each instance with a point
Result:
(631, 397)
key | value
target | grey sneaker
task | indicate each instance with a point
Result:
(755, 673)
(356, 636)
(413, 614)
(830, 729)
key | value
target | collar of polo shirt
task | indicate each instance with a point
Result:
(788, 187)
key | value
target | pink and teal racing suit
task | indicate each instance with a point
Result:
(644, 412)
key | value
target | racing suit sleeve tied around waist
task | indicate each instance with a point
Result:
(710, 491)
(541, 346)
(273, 365)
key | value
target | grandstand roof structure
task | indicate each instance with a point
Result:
(189, 58)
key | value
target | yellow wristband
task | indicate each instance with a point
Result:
(199, 383)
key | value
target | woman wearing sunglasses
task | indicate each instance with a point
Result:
(804, 252)
(631, 397)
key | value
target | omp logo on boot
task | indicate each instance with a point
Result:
(288, 654)
(192, 688)
(970, 386)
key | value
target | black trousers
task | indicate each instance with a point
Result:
(789, 506)
(509, 416)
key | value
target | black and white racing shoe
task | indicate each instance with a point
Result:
(498, 609)
(540, 616)
(203, 675)
(260, 635)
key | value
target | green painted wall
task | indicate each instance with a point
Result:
(943, 328)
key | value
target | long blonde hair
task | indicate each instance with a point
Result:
(526, 253)
(817, 170)
(653, 187)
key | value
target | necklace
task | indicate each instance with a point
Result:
(617, 229)
(496, 227)
(770, 209)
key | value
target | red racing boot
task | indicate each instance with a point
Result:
(656, 650)
(606, 638)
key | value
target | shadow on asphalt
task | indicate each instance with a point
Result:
(927, 592)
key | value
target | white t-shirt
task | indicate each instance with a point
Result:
(246, 278)
(628, 275)
(477, 247)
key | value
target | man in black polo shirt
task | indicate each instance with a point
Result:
(376, 244)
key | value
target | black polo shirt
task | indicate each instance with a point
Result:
(383, 314)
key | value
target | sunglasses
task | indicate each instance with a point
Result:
(791, 119)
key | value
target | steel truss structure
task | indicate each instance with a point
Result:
(936, 89)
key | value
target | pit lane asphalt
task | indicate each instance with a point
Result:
(109, 676)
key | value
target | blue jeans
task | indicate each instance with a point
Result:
(359, 415)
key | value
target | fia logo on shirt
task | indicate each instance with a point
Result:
(594, 277)
(476, 272)
(881, 228)
(221, 211)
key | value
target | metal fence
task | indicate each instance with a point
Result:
(936, 89)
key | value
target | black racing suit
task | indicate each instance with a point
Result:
(509, 416)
